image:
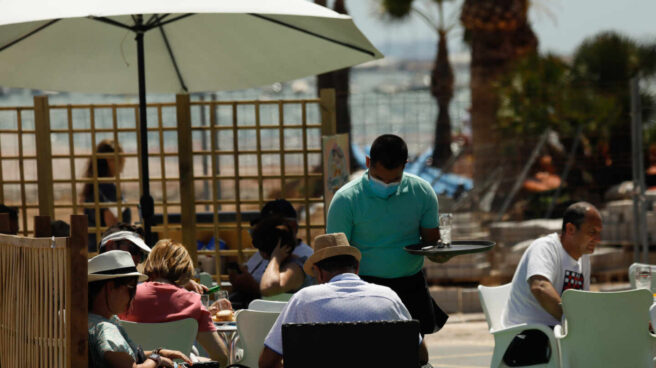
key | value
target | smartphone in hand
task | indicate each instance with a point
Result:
(233, 267)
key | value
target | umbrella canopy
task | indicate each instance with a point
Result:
(197, 45)
(181, 46)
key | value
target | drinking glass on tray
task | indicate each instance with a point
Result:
(445, 228)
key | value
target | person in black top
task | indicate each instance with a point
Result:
(107, 165)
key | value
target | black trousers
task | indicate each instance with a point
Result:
(528, 348)
(413, 291)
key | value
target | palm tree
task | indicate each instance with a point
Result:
(442, 80)
(498, 33)
(606, 62)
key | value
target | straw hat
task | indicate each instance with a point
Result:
(112, 265)
(330, 245)
(133, 237)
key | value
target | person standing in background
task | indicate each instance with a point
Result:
(106, 167)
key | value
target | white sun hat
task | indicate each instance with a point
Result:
(133, 237)
(112, 265)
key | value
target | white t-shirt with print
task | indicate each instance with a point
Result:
(546, 257)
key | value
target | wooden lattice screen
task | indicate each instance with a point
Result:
(213, 164)
(43, 299)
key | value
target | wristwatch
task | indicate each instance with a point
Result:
(156, 357)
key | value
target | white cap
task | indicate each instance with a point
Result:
(112, 265)
(133, 237)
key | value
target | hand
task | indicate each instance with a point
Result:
(195, 287)
(166, 362)
(281, 252)
(440, 258)
(219, 305)
(173, 354)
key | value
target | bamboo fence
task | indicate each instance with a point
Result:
(43, 297)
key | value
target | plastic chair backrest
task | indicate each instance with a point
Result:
(632, 268)
(609, 329)
(205, 279)
(493, 301)
(175, 335)
(252, 327)
(351, 344)
(284, 297)
(266, 305)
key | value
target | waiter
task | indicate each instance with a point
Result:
(384, 211)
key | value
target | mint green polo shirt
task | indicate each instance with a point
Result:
(380, 228)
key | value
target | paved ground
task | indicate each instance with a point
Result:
(464, 342)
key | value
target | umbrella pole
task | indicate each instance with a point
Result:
(146, 202)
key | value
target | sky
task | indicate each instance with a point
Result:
(561, 25)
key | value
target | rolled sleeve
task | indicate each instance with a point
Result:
(340, 216)
(109, 338)
(541, 262)
(429, 219)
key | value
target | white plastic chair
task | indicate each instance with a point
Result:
(493, 300)
(632, 268)
(252, 327)
(606, 329)
(266, 305)
(176, 335)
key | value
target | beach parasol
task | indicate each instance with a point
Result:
(181, 46)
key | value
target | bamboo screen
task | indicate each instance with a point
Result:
(33, 302)
(249, 152)
(244, 153)
(75, 131)
(18, 173)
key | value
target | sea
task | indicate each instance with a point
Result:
(392, 98)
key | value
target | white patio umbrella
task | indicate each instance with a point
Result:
(190, 46)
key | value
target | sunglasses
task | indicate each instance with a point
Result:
(133, 250)
(129, 282)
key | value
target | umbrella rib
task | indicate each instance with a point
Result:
(155, 18)
(113, 22)
(19, 39)
(175, 19)
(348, 45)
(173, 60)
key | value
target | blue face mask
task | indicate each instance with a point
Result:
(381, 189)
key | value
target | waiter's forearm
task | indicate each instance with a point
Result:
(430, 235)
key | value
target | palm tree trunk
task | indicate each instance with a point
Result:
(442, 89)
(500, 33)
(340, 81)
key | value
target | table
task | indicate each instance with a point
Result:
(228, 332)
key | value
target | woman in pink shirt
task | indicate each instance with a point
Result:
(162, 298)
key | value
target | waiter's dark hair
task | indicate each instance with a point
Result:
(575, 214)
(389, 150)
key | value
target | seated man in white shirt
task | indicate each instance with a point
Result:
(246, 279)
(550, 265)
(341, 297)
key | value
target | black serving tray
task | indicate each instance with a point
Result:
(457, 247)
